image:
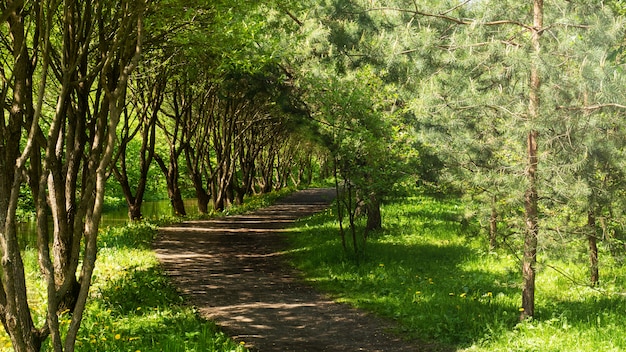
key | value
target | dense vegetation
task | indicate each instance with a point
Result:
(515, 108)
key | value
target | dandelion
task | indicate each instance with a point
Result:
(462, 295)
(418, 292)
(521, 309)
(118, 336)
(242, 343)
(451, 293)
(489, 294)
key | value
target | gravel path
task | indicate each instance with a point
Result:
(235, 272)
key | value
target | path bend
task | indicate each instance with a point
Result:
(235, 272)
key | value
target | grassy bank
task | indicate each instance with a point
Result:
(442, 285)
(133, 307)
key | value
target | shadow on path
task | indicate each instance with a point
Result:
(234, 271)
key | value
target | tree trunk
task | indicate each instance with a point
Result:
(374, 218)
(134, 211)
(529, 259)
(202, 196)
(342, 233)
(592, 239)
(14, 308)
(493, 226)
(203, 200)
(173, 190)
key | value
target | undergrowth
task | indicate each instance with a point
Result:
(441, 284)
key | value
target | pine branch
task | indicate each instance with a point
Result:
(591, 107)
(460, 21)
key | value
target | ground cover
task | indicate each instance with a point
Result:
(134, 307)
(441, 284)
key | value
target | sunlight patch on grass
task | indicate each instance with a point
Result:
(442, 285)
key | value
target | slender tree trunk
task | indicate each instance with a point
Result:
(339, 209)
(374, 218)
(529, 259)
(195, 170)
(351, 215)
(493, 225)
(14, 307)
(173, 189)
(592, 239)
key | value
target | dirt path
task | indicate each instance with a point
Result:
(235, 272)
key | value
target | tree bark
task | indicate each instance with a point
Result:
(529, 259)
(493, 225)
(173, 188)
(592, 239)
(374, 217)
(15, 311)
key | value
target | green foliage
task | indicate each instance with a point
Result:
(440, 285)
(26, 205)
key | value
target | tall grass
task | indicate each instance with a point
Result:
(441, 284)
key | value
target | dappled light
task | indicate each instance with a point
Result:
(235, 270)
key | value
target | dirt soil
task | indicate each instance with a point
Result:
(236, 272)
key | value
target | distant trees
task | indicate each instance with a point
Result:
(222, 104)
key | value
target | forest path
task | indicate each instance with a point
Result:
(235, 271)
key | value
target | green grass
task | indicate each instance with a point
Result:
(441, 285)
(133, 306)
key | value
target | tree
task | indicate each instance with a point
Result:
(359, 121)
(141, 120)
(63, 154)
(512, 38)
